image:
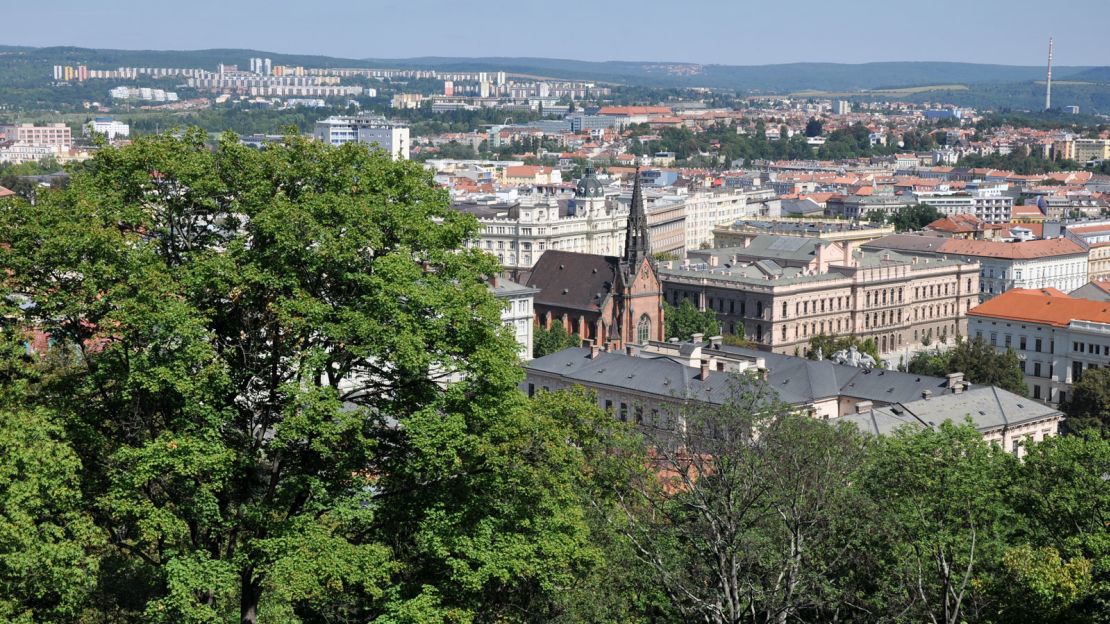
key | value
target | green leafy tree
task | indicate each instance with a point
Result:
(49, 545)
(814, 127)
(979, 362)
(259, 345)
(1064, 496)
(685, 320)
(829, 344)
(943, 523)
(1088, 407)
(914, 218)
(548, 341)
(736, 528)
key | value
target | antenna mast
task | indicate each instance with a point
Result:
(1048, 82)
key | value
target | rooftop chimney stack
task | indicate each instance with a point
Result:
(704, 370)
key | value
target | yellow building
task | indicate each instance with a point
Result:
(1091, 149)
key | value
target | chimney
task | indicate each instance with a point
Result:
(632, 350)
(864, 406)
(704, 369)
(715, 341)
(714, 260)
(955, 382)
(747, 241)
(595, 350)
(696, 338)
(926, 394)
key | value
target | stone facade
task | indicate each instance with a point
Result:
(903, 302)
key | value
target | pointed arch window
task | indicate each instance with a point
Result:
(643, 329)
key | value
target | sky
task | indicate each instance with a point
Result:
(732, 32)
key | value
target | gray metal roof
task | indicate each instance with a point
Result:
(797, 380)
(988, 408)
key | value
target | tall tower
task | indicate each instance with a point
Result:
(637, 245)
(1048, 81)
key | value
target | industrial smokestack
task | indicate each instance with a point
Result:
(1048, 81)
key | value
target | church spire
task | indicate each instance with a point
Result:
(637, 246)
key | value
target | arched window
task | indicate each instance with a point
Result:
(643, 329)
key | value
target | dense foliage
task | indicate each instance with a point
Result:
(272, 385)
(547, 341)
(827, 344)
(979, 362)
(1088, 407)
(907, 218)
(684, 320)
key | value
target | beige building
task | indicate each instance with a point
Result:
(781, 291)
(1084, 150)
(56, 135)
(832, 230)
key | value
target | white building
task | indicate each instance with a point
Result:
(1056, 337)
(366, 129)
(109, 127)
(1056, 263)
(518, 313)
(706, 210)
(518, 233)
(989, 203)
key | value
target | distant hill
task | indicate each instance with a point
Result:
(787, 77)
(1010, 86)
(771, 78)
(1094, 74)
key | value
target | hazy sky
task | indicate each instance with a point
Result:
(735, 32)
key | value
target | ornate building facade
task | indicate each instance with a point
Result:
(608, 300)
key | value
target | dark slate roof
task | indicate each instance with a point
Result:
(502, 287)
(908, 242)
(574, 280)
(796, 380)
(660, 375)
(987, 406)
(800, 380)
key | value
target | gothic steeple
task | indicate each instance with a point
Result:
(637, 246)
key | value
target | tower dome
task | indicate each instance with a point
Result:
(589, 185)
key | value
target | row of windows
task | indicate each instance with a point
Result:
(877, 319)
(1093, 349)
(1007, 341)
(885, 292)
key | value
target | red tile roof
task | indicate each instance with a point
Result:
(1046, 306)
(1018, 250)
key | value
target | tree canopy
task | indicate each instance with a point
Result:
(979, 362)
(1088, 407)
(686, 319)
(250, 352)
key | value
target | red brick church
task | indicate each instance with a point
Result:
(608, 300)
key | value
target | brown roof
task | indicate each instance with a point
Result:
(1043, 306)
(957, 223)
(1017, 250)
(575, 281)
(6, 192)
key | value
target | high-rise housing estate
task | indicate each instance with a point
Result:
(367, 129)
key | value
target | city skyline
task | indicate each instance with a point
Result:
(648, 31)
